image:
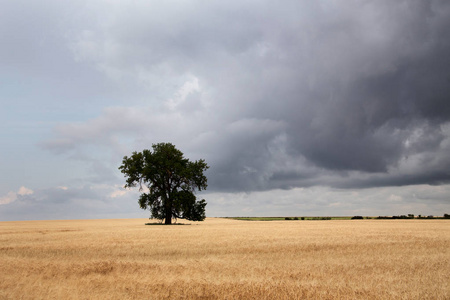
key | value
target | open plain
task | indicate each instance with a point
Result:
(225, 259)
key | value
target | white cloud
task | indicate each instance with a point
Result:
(12, 196)
(189, 87)
(24, 191)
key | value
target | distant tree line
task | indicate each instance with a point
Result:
(411, 216)
(408, 216)
(311, 218)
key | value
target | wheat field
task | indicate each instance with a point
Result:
(225, 259)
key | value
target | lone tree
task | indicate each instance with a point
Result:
(171, 180)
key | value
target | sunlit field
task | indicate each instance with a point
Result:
(225, 259)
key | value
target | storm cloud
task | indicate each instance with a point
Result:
(275, 96)
(280, 96)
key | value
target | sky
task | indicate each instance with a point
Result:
(300, 108)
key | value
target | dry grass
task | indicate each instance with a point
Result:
(225, 259)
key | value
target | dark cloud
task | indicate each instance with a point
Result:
(343, 94)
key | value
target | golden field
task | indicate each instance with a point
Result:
(225, 259)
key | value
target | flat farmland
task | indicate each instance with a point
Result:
(225, 259)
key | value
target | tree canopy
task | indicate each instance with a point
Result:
(172, 181)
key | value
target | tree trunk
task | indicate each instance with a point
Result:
(168, 215)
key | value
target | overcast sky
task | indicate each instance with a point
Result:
(338, 107)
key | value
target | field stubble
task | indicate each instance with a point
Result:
(225, 259)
